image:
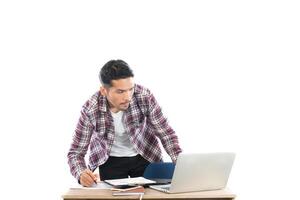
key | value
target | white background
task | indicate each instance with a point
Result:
(226, 74)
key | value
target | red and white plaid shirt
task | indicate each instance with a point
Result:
(143, 120)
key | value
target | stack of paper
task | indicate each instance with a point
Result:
(129, 181)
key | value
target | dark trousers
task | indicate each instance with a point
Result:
(122, 167)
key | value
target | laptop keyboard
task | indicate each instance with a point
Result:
(165, 187)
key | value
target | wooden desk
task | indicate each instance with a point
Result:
(76, 194)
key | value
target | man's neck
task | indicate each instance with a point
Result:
(114, 110)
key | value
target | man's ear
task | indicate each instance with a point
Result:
(103, 91)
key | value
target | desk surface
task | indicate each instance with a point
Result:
(76, 194)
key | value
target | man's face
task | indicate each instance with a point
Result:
(119, 94)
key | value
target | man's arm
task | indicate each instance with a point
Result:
(79, 146)
(163, 130)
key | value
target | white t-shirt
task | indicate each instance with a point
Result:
(122, 147)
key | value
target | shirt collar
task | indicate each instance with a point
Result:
(103, 104)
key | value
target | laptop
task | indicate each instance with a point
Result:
(199, 172)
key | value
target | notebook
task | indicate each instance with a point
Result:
(199, 172)
(127, 182)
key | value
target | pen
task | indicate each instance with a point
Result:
(95, 181)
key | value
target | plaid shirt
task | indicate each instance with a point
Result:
(143, 120)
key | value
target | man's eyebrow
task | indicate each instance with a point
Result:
(125, 90)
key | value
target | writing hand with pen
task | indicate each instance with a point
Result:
(88, 178)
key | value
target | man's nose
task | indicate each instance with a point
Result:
(127, 96)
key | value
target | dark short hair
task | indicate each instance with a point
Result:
(114, 70)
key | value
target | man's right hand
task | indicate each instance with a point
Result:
(87, 178)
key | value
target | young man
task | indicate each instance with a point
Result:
(121, 124)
